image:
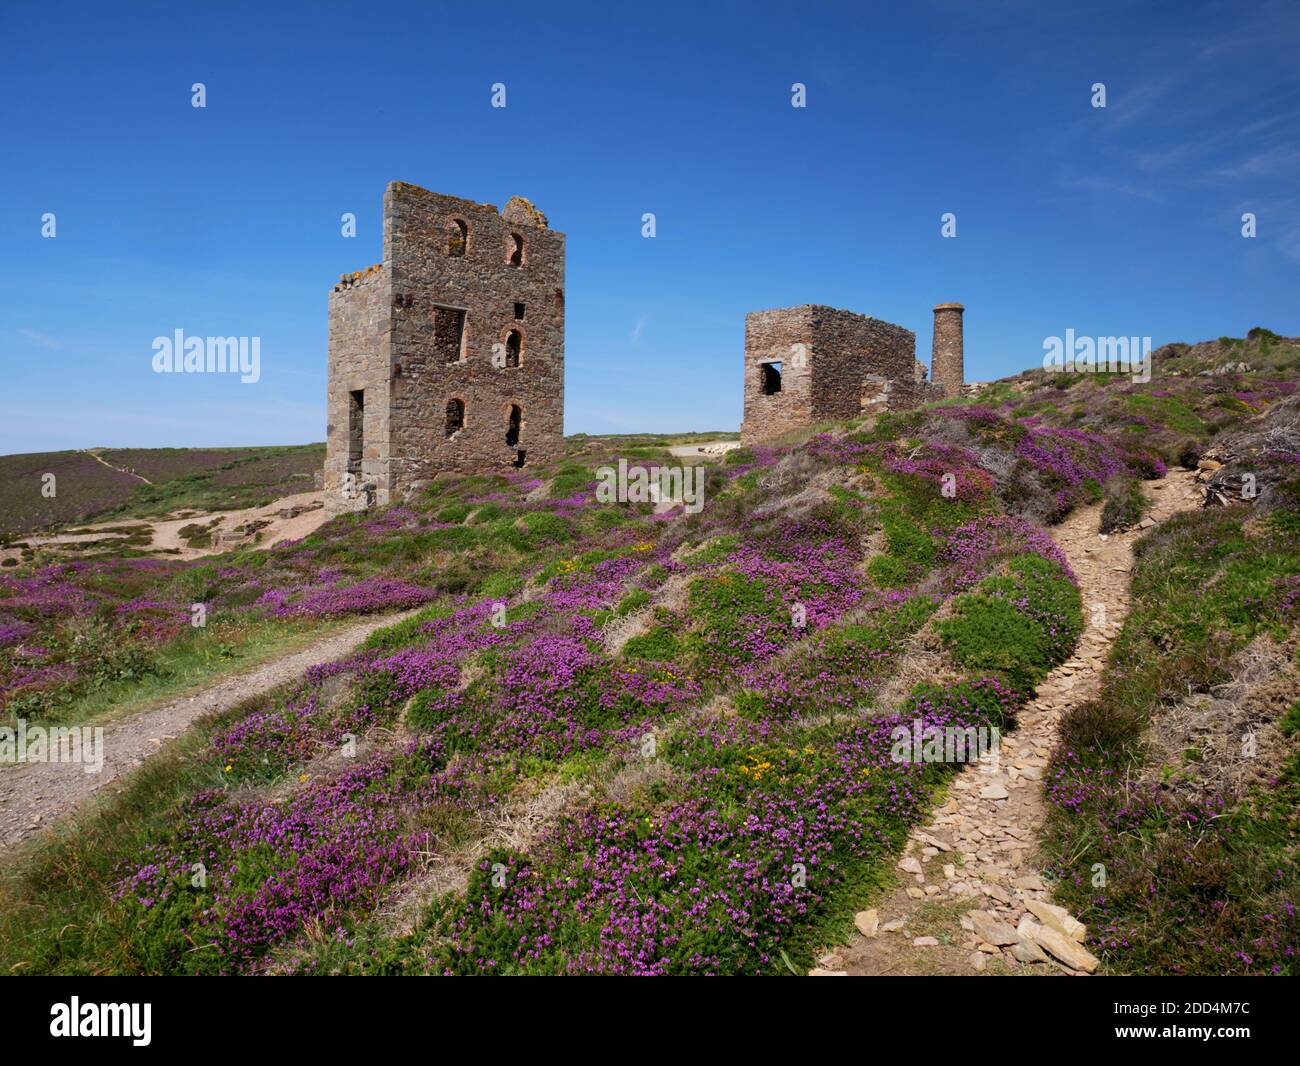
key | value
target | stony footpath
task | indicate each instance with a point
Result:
(35, 796)
(972, 899)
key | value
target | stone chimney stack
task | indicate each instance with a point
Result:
(946, 356)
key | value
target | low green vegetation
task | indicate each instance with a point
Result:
(1198, 858)
(1125, 504)
(721, 793)
(1019, 625)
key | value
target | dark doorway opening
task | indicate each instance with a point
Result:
(513, 424)
(514, 344)
(356, 429)
(771, 378)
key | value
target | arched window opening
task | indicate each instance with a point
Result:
(455, 416)
(457, 238)
(514, 346)
(514, 422)
(515, 250)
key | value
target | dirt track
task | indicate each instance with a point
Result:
(977, 853)
(34, 796)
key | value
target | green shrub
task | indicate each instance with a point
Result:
(633, 601)
(427, 709)
(715, 551)
(1022, 624)
(907, 542)
(545, 528)
(570, 484)
(454, 512)
(888, 572)
(1290, 722)
(502, 585)
(659, 645)
(1125, 504)
(405, 632)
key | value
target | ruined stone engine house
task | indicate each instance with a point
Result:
(449, 354)
(811, 364)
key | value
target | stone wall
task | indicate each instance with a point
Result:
(468, 308)
(908, 395)
(846, 348)
(358, 363)
(776, 337)
(827, 356)
(497, 298)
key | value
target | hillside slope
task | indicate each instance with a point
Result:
(623, 739)
(104, 482)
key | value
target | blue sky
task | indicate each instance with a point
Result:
(225, 220)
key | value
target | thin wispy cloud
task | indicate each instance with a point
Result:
(1108, 186)
(41, 340)
(1274, 162)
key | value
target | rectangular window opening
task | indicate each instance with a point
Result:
(519, 312)
(449, 333)
(771, 378)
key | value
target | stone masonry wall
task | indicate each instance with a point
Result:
(846, 348)
(433, 324)
(840, 350)
(775, 337)
(358, 345)
(497, 296)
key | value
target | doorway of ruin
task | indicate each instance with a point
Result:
(356, 429)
